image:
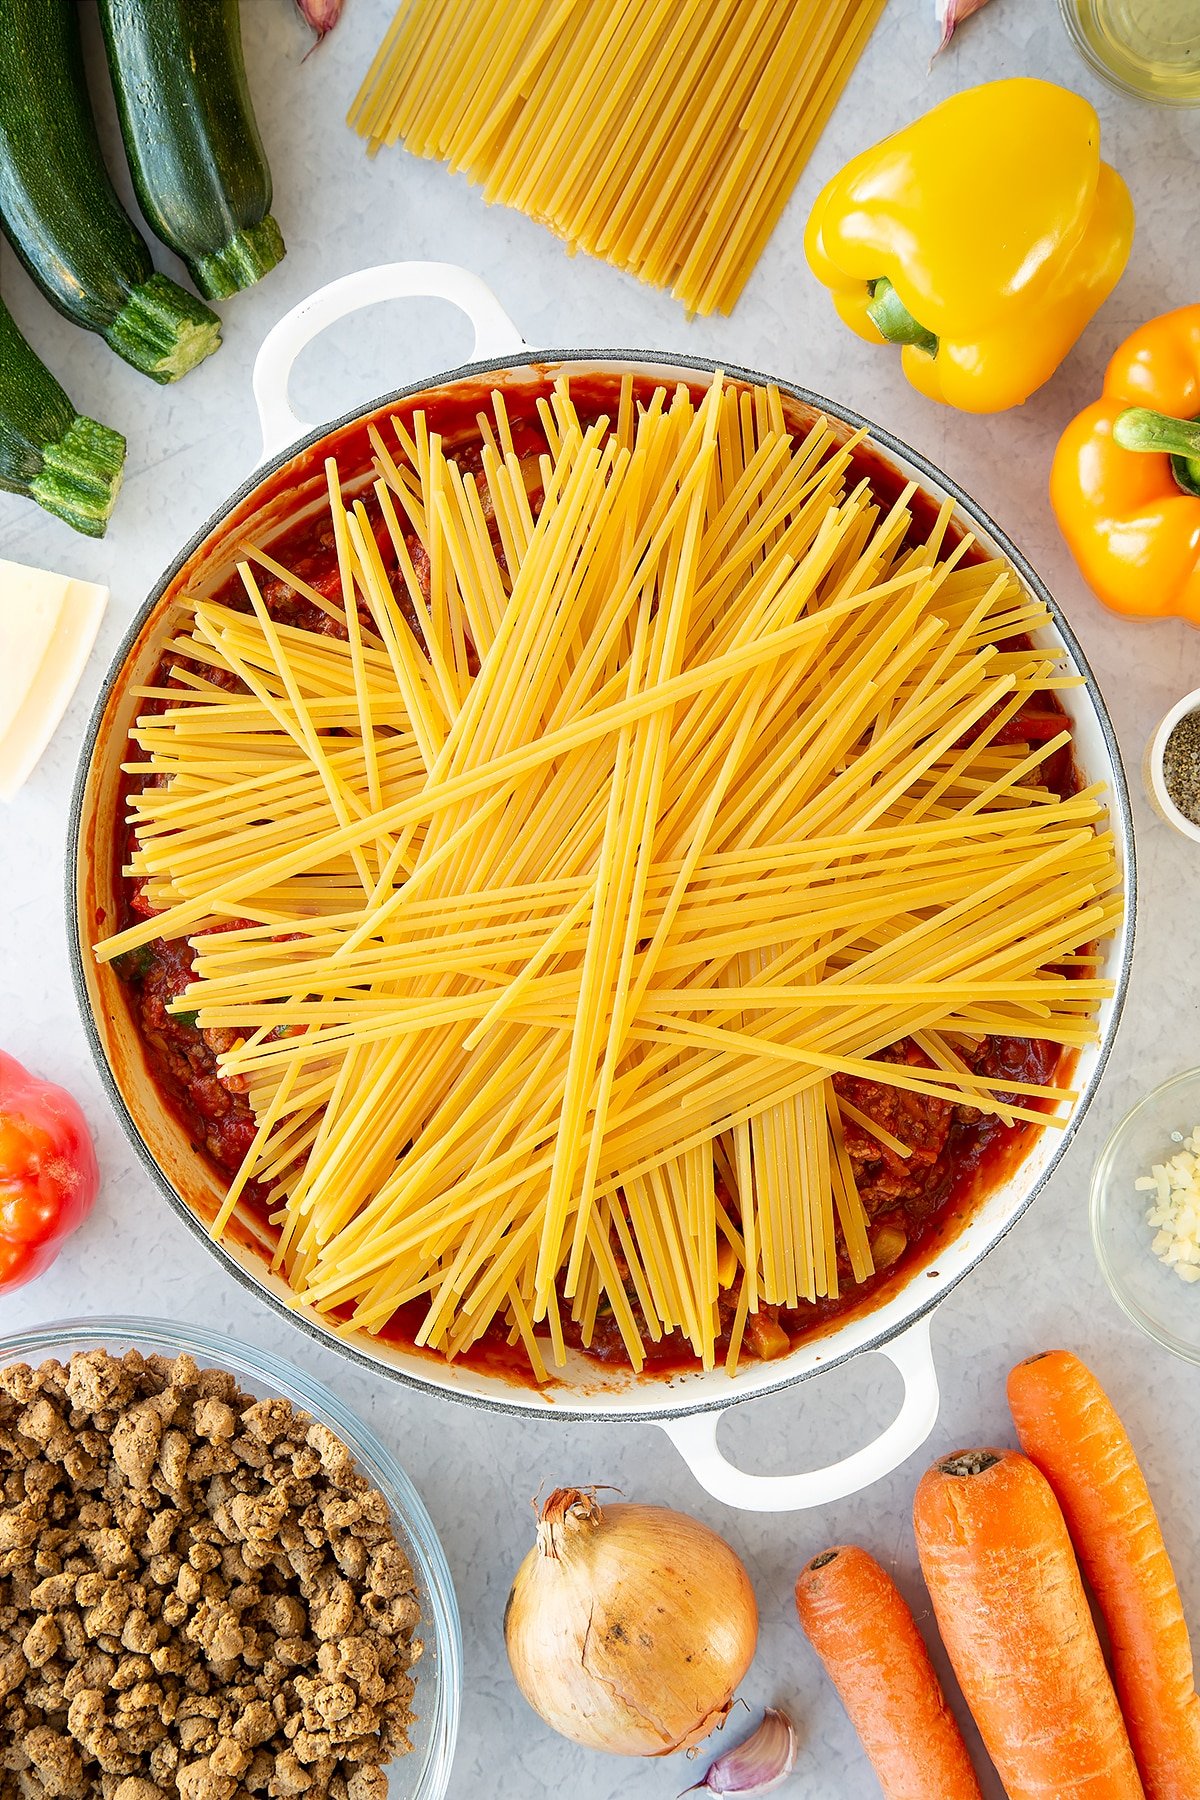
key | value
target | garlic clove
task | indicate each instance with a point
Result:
(758, 1764)
(322, 15)
(950, 15)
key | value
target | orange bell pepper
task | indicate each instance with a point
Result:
(1125, 482)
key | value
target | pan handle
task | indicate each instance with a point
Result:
(695, 1437)
(495, 333)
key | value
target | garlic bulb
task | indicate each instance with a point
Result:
(629, 1627)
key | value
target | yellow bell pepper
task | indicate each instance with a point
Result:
(982, 238)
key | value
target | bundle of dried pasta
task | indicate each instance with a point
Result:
(665, 138)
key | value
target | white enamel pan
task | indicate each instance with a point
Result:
(289, 482)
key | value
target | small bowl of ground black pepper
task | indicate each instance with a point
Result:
(1172, 766)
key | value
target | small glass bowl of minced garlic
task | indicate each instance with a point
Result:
(1146, 1214)
(1172, 767)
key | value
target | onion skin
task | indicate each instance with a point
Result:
(629, 1627)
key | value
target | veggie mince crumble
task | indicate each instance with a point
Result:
(200, 1594)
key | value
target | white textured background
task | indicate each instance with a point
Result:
(190, 444)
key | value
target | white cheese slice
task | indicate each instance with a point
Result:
(48, 624)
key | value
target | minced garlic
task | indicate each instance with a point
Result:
(1175, 1211)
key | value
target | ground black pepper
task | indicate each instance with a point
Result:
(1181, 766)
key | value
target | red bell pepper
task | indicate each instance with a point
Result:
(48, 1174)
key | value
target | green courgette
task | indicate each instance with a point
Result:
(197, 160)
(68, 464)
(61, 211)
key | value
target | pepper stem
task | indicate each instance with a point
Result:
(894, 321)
(1137, 428)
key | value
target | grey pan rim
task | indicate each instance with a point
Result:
(886, 441)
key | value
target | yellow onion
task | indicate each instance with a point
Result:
(629, 1627)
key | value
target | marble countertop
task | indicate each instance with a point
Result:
(191, 444)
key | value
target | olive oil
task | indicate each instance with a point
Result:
(1146, 47)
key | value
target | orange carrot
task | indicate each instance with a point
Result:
(863, 1632)
(1069, 1427)
(1014, 1618)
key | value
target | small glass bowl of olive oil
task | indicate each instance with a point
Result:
(1148, 48)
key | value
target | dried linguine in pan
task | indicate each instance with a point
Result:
(629, 816)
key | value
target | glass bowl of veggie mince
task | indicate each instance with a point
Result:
(1146, 1214)
(424, 1772)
